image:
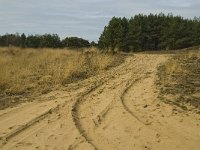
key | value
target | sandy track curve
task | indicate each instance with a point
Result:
(83, 98)
(125, 105)
(116, 110)
(88, 121)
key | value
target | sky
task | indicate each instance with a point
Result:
(82, 18)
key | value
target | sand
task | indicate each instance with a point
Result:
(116, 110)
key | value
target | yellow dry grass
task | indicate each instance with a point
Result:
(25, 71)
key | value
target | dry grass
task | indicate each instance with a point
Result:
(179, 80)
(31, 71)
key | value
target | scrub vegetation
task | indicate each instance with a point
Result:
(26, 72)
(179, 80)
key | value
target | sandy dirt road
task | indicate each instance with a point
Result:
(117, 110)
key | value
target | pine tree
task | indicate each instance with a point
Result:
(23, 41)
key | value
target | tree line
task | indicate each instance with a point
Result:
(150, 32)
(141, 32)
(42, 41)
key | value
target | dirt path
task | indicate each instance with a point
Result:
(117, 110)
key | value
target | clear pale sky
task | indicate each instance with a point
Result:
(82, 18)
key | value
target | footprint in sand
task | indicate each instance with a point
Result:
(51, 137)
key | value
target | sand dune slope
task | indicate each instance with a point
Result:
(116, 110)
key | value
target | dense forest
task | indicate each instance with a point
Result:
(42, 41)
(150, 32)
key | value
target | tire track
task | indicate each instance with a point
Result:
(124, 69)
(75, 114)
(7, 137)
(105, 111)
(128, 86)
